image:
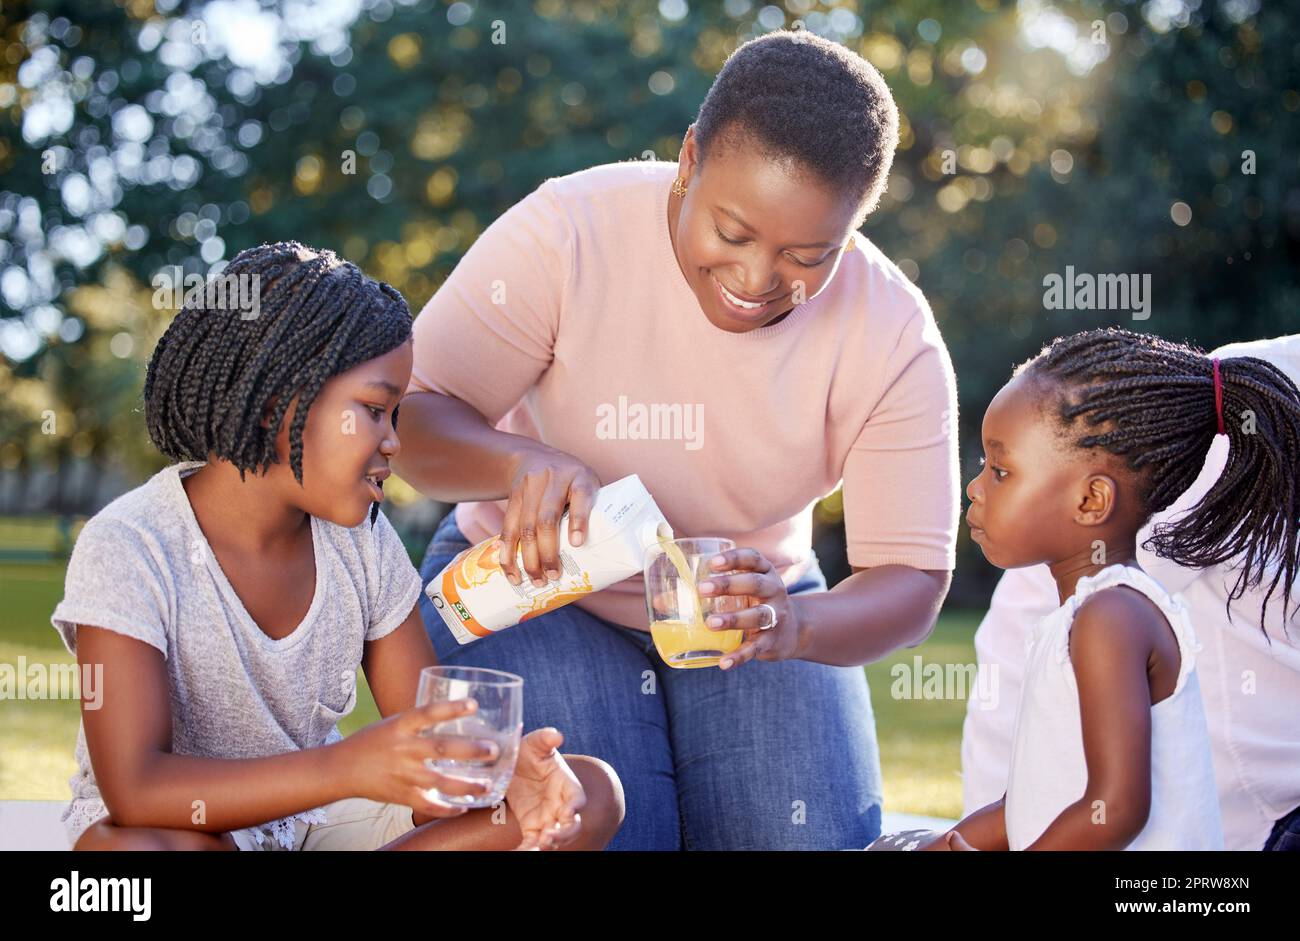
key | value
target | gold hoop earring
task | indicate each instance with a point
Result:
(679, 188)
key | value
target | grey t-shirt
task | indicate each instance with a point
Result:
(142, 567)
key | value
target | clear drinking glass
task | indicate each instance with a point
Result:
(499, 718)
(678, 612)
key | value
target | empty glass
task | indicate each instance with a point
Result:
(499, 718)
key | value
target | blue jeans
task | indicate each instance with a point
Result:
(766, 756)
(1285, 836)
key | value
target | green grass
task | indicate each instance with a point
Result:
(919, 739)
(35, 532)
(40, 735)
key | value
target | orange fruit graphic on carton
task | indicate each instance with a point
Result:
(479, 564)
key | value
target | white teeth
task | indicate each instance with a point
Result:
(748, 305)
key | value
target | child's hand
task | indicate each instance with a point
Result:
(955, 842)
(385, 760)
(937, 845)
(544, 794)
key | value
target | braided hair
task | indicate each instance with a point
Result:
(216, 371)
(1153, 403)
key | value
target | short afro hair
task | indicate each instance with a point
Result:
(798, 96)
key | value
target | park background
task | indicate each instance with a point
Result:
(1154, 138)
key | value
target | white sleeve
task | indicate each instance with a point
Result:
(1022, 598)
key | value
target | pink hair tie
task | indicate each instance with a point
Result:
(1218, 394)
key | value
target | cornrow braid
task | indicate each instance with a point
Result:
(216, 371)
(1153, 403)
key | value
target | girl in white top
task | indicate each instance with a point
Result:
(1089, 439)
(1254, 738)
(230, 601)
(1045, 776)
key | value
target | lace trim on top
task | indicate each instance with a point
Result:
(283, 830)
(85, 811)
(79, 815)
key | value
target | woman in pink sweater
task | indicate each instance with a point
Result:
(718, 327)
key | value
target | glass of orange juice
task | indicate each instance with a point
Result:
(673, 568)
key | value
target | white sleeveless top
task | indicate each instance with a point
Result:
(1048, 771)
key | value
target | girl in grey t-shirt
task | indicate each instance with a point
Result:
(230, 599)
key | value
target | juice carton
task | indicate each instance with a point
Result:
(476, 599)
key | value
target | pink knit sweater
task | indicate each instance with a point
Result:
(569, 321)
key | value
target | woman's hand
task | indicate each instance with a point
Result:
(385, 760)
(544, 794)
(758, 583)
(542, 482)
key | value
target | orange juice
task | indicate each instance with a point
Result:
(690, 644)
(686, 646)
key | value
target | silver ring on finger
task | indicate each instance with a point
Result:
(767, 620)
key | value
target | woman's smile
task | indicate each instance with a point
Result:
(738, 308)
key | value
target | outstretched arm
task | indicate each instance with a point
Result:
(453, 453)
(392, 664)
(870, 614)
(986, 829)
(144, 785)
(542, 779)
(1111, 644)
